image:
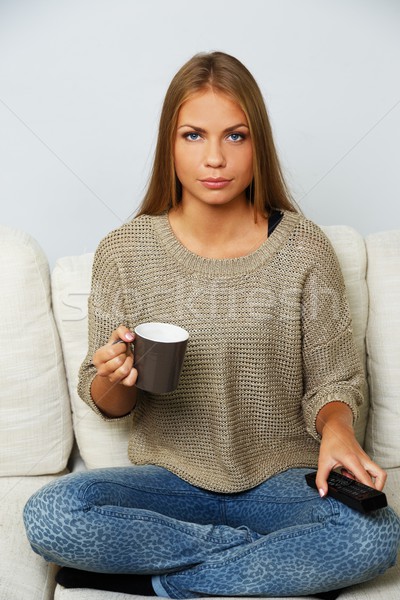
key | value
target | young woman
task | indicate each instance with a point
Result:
(215, 502)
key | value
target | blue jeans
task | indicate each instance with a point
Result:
(277, 539)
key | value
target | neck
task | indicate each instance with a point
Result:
(218, 231)
(215, 222)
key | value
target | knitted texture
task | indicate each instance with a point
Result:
(270, 344)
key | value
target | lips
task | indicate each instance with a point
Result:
(215, 183)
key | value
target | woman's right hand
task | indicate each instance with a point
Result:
(114, 361)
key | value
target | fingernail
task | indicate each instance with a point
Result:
(129, 337)
(321, 492)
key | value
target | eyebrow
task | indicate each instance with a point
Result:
(227, 130)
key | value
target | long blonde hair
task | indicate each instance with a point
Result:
(226, 74)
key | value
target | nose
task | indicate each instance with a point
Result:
(214, 155)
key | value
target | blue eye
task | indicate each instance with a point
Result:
(192, 136)
(236, 137)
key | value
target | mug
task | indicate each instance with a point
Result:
(159, 350)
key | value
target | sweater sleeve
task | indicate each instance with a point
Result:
(332, 368)
(105, 313)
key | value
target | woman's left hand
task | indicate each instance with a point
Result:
(340, 448)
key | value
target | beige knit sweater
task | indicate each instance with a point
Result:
(270, 344)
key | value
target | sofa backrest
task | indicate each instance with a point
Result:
(101, 443)
(383, 347)
(35, 418)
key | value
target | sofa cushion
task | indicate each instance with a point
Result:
(350, 250)
(23, 574)
(101, 443)
(35, 426)
(383, 345)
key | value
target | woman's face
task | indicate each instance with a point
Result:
(213, 151)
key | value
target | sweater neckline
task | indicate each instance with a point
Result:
(224, 267)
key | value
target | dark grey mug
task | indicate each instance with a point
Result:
(159, 350)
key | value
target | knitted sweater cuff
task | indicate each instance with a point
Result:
(84, 388)
(353, 399)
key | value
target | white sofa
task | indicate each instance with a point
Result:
(43, 341)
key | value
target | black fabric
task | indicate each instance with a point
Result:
(332, 595)
(128, 584)
(274, 220)
(110, 582)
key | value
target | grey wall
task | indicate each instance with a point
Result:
(82, 81)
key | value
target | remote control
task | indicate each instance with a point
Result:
(353, 493)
